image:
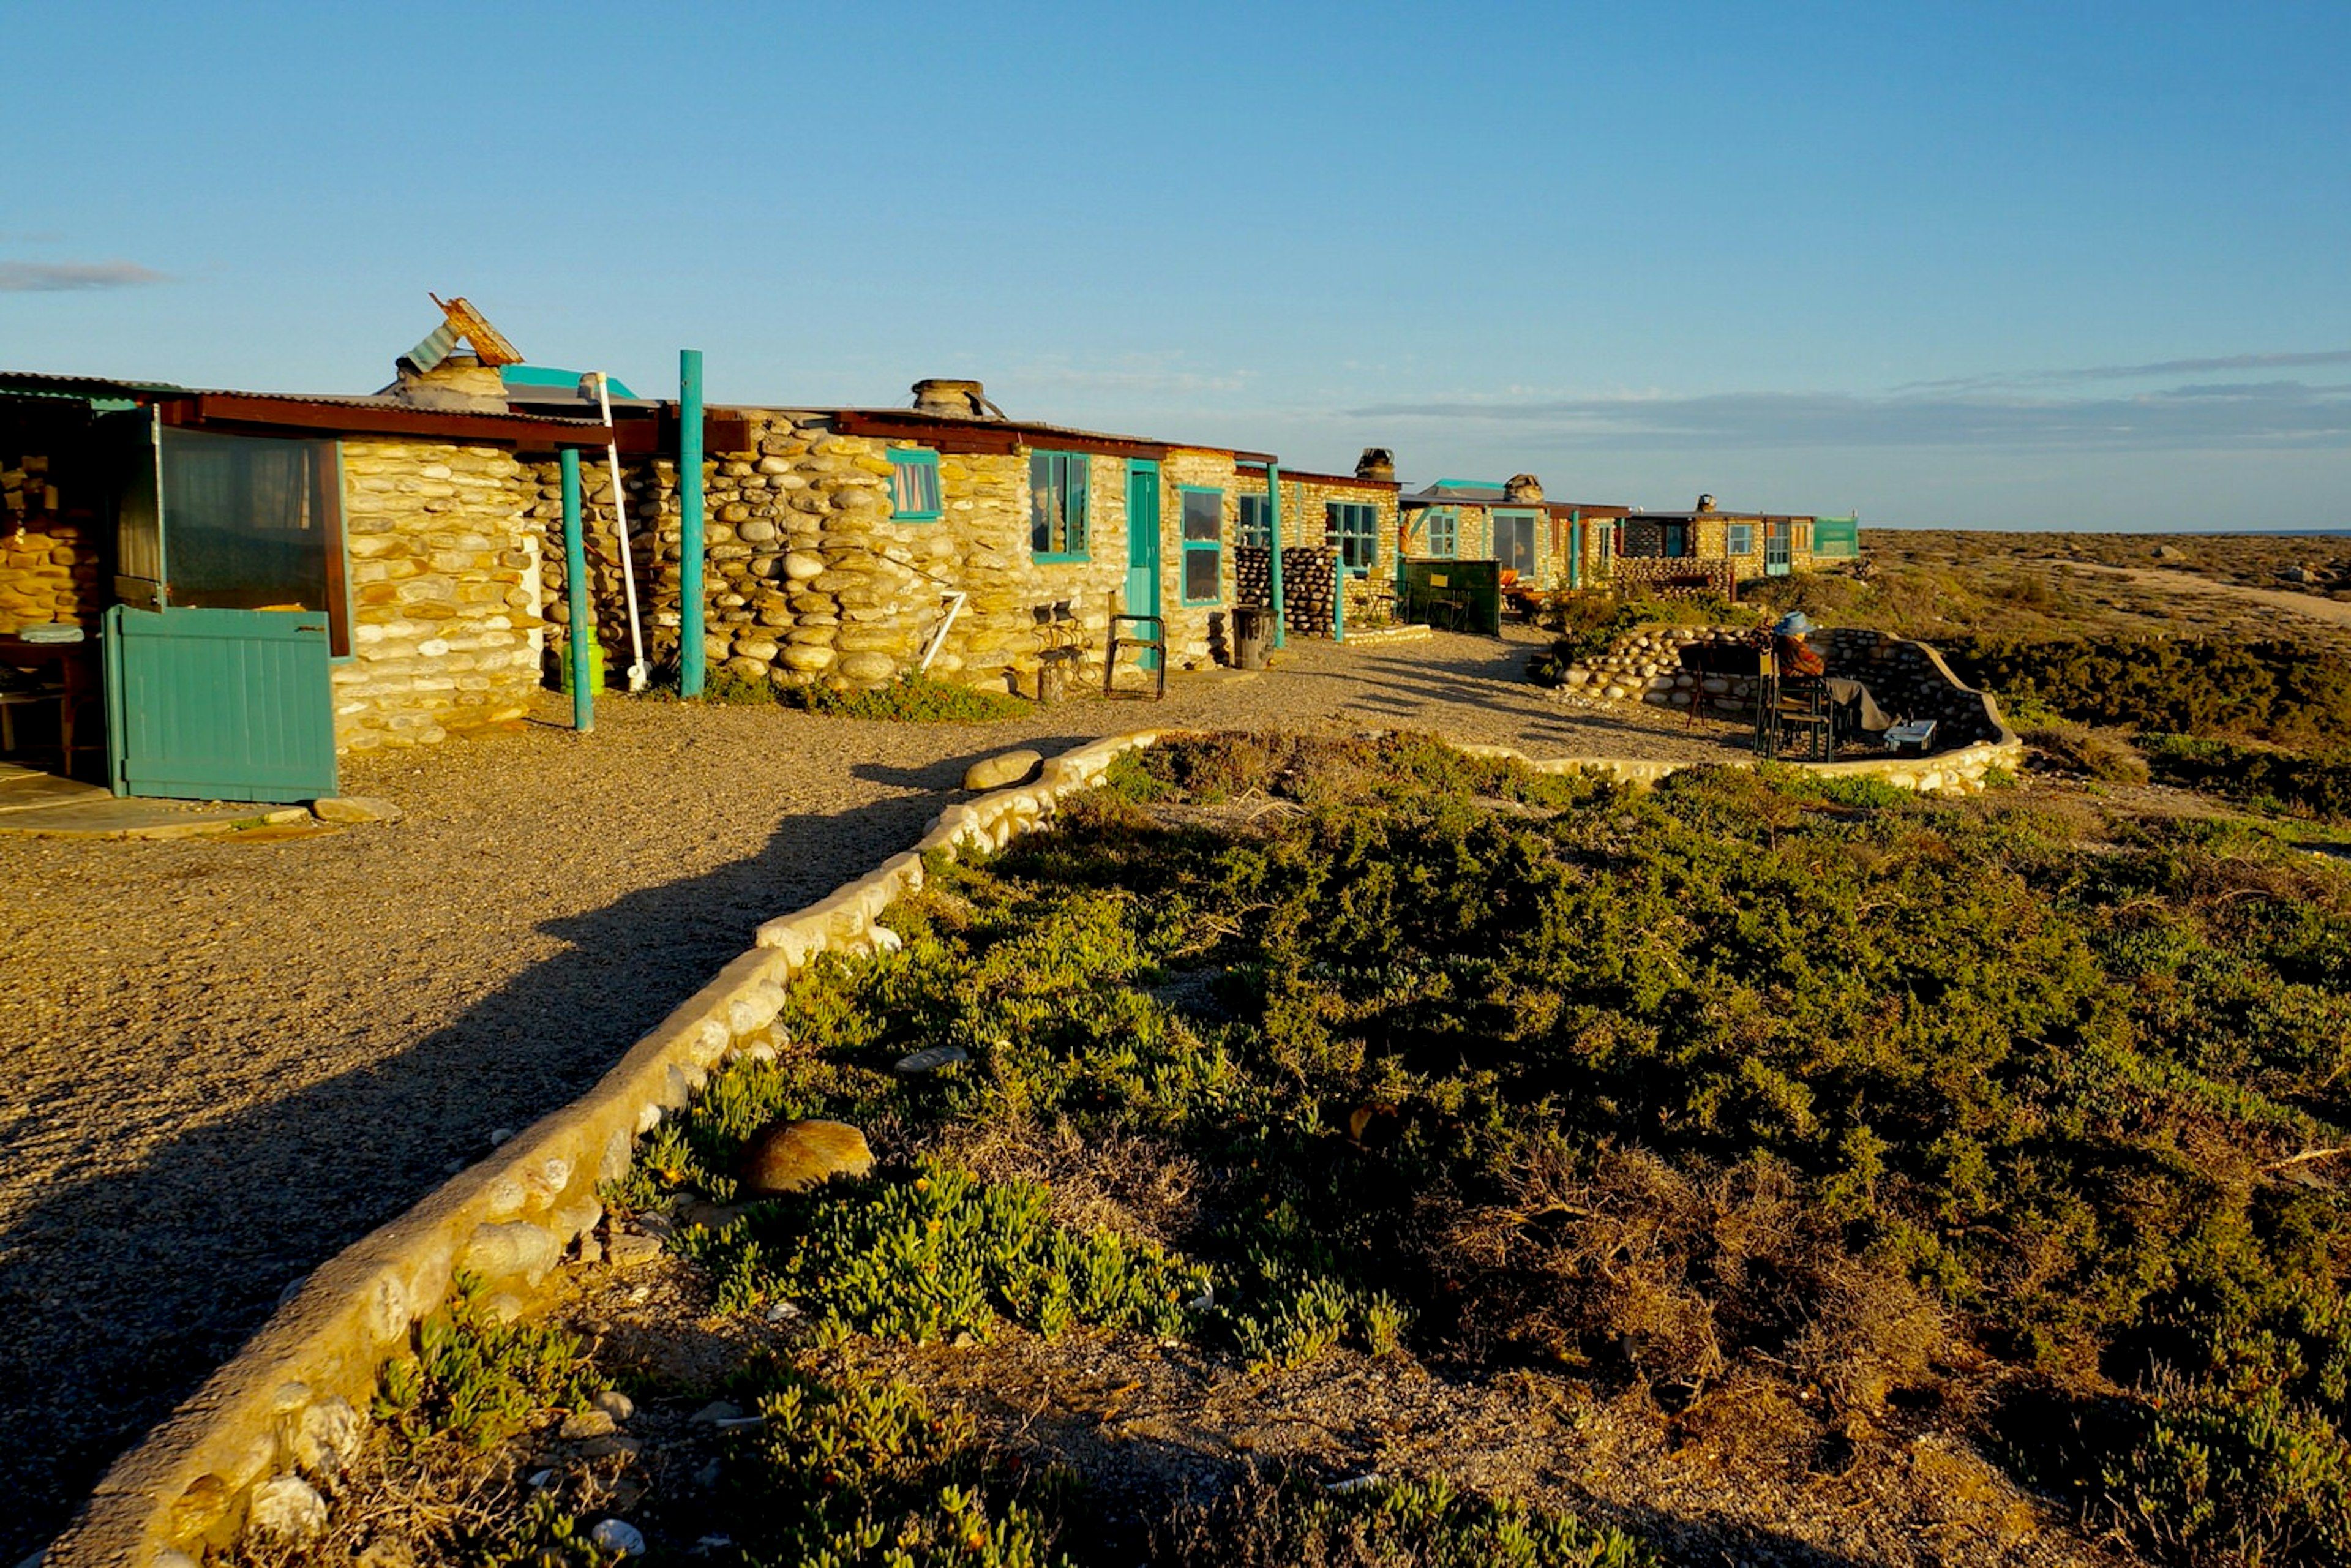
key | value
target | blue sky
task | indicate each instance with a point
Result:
(1982, 264)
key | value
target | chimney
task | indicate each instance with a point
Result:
(460, 383)
(943, 398)
(1376, 463)
(1705, 504)
(1522, 487)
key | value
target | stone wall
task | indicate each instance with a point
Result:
(1908, 680)
(1309, 585)
(49, 563)
(1682, 577)
(810, 577)
(444, 572)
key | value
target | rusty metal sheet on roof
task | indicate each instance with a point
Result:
(490, 345)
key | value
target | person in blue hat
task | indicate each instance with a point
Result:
(1795, 656)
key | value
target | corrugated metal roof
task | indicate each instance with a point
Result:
(41, 384)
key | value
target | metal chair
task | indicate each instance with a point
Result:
(1155, 643)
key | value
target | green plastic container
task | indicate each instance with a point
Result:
(563, 664)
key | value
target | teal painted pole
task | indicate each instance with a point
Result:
(1338, 598)
(582, 617)
(1273, 526)
(692, 657)
(1575, 549)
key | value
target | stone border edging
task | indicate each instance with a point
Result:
(291, 1400)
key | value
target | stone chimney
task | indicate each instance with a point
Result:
(943, 399)
(1705, 504)
(1376, 463)
(458, 384)
(1522, 487)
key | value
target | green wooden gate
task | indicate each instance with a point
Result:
(219, 705)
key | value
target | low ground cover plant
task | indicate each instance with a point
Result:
(913, 698)
(1887, 1100)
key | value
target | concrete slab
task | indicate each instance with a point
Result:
(108, 818)
(29, 789)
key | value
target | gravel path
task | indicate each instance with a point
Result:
(234, 1057)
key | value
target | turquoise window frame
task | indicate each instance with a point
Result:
(1339, 522)
(1257, 534)
(1443, 544)
(1189, 546)
(914, 457)
(1072, 531)
(1739, 539)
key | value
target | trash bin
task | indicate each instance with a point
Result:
(1251, 631)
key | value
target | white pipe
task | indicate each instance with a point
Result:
(939, 637)
(639, 672)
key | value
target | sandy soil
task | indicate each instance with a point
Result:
(230, 1058)
(2190, 587)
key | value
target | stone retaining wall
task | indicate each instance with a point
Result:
(1908, 679)
(288, 1408)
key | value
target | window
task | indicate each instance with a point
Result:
(1740, 538)
(1057, 505)
(1203, 545)
(1355, 533)
(914, 485)
(1514, 541)
(253, 522)
(1256, 522)
(1442, 534)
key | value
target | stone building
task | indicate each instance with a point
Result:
(1337, 536)
(1710, 550)
(1546, 544)
(262, 581)
(851, 546)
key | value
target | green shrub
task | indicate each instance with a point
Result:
(937, 1252)
(835, 1477)
(732, 689)
(2102, 754)
(2281, 691)
(1426, 1523)
(2232, 1468)
(480, 1381)
(913, 698)
(2303, 784)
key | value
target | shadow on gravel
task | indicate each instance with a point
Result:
(120, 1296)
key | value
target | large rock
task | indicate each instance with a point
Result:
(353, 809)
(790, 1157)
(287, 1508)
(1005, 767)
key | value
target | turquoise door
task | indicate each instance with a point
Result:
(1775, 547)
(1142, 544)
(219, 705)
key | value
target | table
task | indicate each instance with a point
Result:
(77, 683)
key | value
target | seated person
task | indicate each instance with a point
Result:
(1794, 657)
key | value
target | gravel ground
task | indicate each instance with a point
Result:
(236, 1056)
